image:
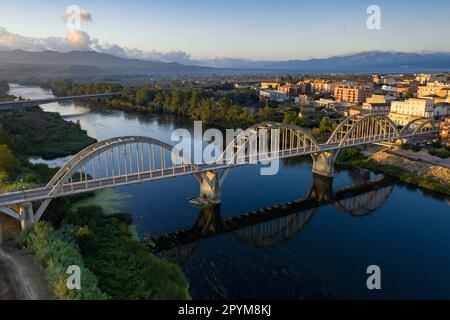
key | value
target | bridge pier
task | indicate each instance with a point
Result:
(26, 215)
(323, 164)
(210, 185)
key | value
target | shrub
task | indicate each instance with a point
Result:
(125, 268)
(443, 153)
(56, 255)
(416, 148)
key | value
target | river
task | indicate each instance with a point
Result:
(321, 253)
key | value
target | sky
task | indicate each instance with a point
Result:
(215, 30)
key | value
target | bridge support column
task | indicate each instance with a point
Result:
(210, 185)
(323, 164)
(26, 214)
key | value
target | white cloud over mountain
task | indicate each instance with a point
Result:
(80, 40)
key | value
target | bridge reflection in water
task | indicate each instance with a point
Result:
(274, 225)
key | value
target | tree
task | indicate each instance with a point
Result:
(8, 163)
(293, 118)
(325, 125)
(265, 113)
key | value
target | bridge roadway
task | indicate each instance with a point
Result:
(13, 105)
(136, 178)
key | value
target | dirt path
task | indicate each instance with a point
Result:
(20, 278)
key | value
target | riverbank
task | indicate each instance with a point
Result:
(428, 176)
(20, 277)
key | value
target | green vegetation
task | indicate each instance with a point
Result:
(223, 108)
(114, 264)
(34, 132)
(443, 153)
(15, 170)
(413, 147)
(4, 88)
(109, 200)
(56, 251)
(325, 125)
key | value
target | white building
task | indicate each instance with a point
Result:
(326, 103)
(273, 95)
(402, 112)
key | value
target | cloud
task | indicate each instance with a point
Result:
(79, 39)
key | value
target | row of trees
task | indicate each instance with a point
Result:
(216, 107)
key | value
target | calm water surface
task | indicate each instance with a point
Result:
(403, 230)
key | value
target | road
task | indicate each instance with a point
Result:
(20, 278)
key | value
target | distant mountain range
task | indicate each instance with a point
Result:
(19, 63)
(85, 63)
(374, 61)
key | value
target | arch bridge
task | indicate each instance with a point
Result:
(132, 160)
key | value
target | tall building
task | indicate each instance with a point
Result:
(352, 93)
(402, 112)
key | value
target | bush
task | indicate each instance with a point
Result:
(56, 254)
(125, 268)
(443, 153)
(416, 148)
(346, 156)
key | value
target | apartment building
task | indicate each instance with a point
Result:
(352, 93)
(293, 90)
(322, 86)
(402, 112)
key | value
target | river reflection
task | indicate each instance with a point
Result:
(274, 225)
